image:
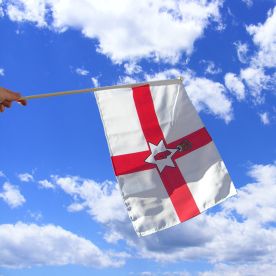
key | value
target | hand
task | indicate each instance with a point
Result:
(7, 97)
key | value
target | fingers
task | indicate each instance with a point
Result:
(22, 102)
(7, 97)
(7, 103)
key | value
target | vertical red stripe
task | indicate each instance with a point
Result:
(172, 178)
(179, 193)
(146, 113)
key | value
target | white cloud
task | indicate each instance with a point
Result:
(12, 196)
(257, 81)
(82, 72)
(95, 82)
(176, 273)
(249, 3)
(264, 118)
(252, 269)
(25, 177)
(256, 76)
(76, 207)
(101, 200)
(28, 10)
(207, 96)
(255, 203)
(235, 85)
(46, 184)
(127, 29)
(2, 71)
(242, 51)
(1, 9)
(147, 273)
(2, 174)
(128, 80)
(264, 36)
(211, 68)
(37, 216)
(27, 245)
(132, 68)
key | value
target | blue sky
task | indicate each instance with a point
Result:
(61, 211)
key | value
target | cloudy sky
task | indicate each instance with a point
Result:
(61, 212)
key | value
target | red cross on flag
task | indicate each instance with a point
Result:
(166, 163)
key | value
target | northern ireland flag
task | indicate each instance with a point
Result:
(166, 163)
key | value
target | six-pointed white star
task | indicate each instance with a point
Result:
(160, 163)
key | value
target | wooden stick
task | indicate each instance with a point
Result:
(70, 92)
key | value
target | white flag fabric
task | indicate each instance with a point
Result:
(166, 163)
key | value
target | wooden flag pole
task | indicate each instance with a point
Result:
(70, 92)
(61, 93)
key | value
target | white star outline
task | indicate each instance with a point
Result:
(162, 163)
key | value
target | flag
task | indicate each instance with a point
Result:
(166, 163)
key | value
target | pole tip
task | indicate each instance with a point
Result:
(180, 78)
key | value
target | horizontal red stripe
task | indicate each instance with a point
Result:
(198, 139)
(135, 162)
(130, 163)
